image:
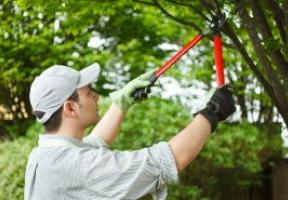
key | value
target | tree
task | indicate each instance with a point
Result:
(266, 25)
(255, 29)
(31, 41)
(133, 31)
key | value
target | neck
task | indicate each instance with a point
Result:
(76, 132)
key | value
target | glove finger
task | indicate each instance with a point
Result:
(141, 83)
(207, 97)
(225, 88)
(148, 90)
(137, 84)
(140, 96)
(146, 75)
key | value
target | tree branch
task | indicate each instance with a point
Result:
(241, 48)
(209, 7)
(275, 54)
(271, 90)
(281, 99)
(278, 15)
(218, 7)
(238, 91)
(285, 10)
(190, 6)
(256, 42)
(164, 11)
(144, 2)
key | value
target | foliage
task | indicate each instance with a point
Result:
(13, 158)
(152, 121)
(233, 161)
(29, 44)
(135, 29)
(44, 33)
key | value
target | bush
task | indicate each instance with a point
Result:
(13, 160)
(232, 163)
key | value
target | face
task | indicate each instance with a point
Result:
(88, 106)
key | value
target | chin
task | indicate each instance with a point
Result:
(96, 119)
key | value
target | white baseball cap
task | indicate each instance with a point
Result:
(56, 84)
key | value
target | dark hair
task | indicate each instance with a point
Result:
(54, 122)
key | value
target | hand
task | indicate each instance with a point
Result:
(123, 97)
(220, 106)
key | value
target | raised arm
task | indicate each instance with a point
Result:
(187, 144)
(109, 125)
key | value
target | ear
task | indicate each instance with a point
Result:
(70, 108)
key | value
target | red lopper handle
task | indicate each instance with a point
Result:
(219, 62)
(178, 55)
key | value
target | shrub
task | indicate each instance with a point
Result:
(13, 158)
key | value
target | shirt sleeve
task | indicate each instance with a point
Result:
(131, 174)
(95, 141)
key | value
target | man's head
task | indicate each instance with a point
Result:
(60, 94)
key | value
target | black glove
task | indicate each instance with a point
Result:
(220, 106)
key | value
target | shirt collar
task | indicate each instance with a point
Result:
(52, 140)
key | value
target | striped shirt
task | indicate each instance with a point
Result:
(64, 168)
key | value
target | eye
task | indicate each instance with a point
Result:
(88, 90)
(92, 88)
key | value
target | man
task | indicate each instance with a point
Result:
(67, 166)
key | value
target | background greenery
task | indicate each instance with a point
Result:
(237, 160)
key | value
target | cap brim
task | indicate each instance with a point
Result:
(89, 75)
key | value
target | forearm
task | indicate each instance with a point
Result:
(108, 127)
(187, 144)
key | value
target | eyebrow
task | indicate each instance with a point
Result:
(90, 87)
